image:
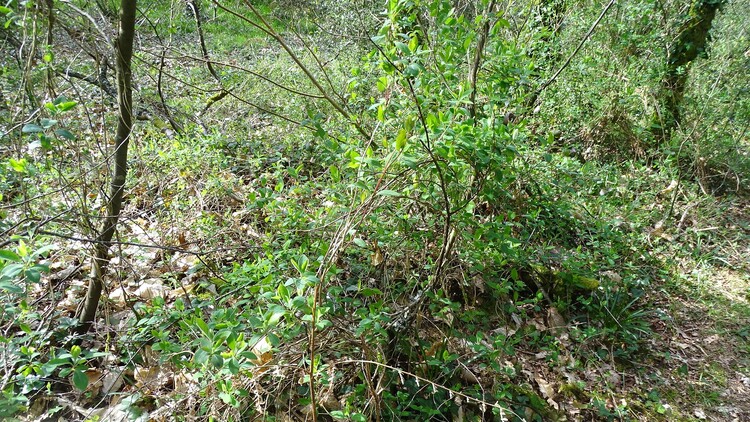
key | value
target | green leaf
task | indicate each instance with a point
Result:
(403, 48)
(234, 366)
(283, 292)
(275, 314)
(501, 23)
(203, 327)
(359, 242)
(50, 367)
(64, 133)
(413, 44)
(44, 141)
(226, 398)
(59, 100)
(387, 67)
(401, 139)
(367, 292)
(248, 355)
(388, 192)
(48, 123)
(10, 287)
(43, 250)
(33, 275)
(42, 268)
(299, 303)
(67, 105)
(9, 256)
(382, 83)
(320, 132)
(18, 166)
(12, 270)
(80, 380)
(5, 10)
(23, 250)
(273, 339)
(323, 324)
(31, 128)
(381, 113)
(300, 263)
(335, 175)
(217, 361)
(432, 121)
(413, 69)
(200, 357)
(409, 123)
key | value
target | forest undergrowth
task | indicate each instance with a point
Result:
(440, 210)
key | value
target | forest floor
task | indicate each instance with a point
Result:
(701, 346)
(203, 213)
(695, 365)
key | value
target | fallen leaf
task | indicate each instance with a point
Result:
(547, 390)
(112, 381)
(152, 288)
(555, 320)
(147, 377)
(377, 255)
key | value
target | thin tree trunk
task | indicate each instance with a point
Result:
(124, 53)
(477, 62)
(196, 11)
(690, 43)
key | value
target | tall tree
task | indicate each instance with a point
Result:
(124, 54)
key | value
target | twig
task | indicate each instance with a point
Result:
(549, 82)
(435, 385)
(100, 82)
(257, 75)
(202, 40)
(140, 245)
(176, 126)
(268, 29)
(38, 226)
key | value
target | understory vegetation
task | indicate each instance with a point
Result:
(403, 210)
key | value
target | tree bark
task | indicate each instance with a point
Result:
(690, 43)
(124, 54)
